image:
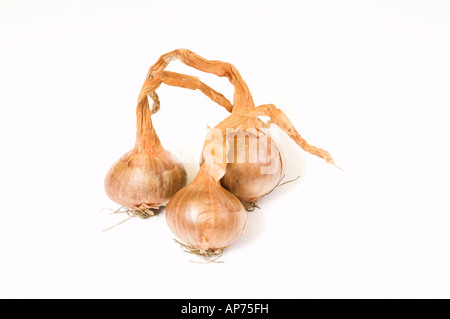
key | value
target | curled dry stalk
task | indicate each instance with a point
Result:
(143, 213)
(244, 113)
(179, 80)
(208, 255)
(243, 104)
(280, 119)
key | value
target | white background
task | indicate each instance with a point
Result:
(367, 80)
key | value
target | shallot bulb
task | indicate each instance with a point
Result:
(146, 177)
(204, 215)
(255, 165)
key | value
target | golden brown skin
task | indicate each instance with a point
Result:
(206, 216)
(255, 164)
(148, 175)
(255, 171)
(145, 179)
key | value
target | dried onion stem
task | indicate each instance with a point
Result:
(247, 178)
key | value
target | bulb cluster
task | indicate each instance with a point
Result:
(240, 161)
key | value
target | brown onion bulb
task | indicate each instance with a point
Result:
(256, 174)
(144, 179)
(206, 216)
(148, 175)
(256, 165)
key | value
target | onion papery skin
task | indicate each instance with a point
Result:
(255, 166)
(206, 216)
(252, 176)
(145, 178)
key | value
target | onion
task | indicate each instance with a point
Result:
(255, 166)
(204, 215)
(146, 177)
(262, 168)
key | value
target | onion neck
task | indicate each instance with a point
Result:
(242, 98)
(204, 176)
(146, 138)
